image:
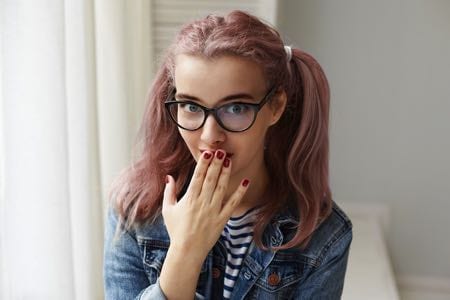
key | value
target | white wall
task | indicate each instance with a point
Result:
(388, 63)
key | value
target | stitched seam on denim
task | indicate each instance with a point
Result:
(323, 255)
(341, 214)
(152, 242)
(340, 232)
(285, 283)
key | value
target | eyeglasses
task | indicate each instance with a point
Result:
(234, 116)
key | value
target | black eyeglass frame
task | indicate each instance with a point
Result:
(207, 111)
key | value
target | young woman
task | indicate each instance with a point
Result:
(230, 198)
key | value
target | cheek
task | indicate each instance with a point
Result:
(251, 144)
(190, 140)
(186, 136)
(258, 133)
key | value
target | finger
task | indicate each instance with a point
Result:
(212, 175)
(195, 186)
(170, 197)
(222, 183)
(235, 199)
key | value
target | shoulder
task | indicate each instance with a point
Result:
(331, 238)
(152, 230)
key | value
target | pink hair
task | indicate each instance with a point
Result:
(297, 146)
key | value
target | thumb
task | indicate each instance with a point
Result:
(170, 197)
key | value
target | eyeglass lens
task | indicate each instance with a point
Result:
(233, 116)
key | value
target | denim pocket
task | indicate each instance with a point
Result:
(153, 254)
(279, 280)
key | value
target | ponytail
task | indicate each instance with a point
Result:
(298, 146)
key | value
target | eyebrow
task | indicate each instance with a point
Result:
(226, 98)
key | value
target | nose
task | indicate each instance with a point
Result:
(212, 134)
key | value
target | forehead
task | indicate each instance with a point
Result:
(217, 77)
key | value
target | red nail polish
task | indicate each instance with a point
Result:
(206, 155)
(245, 182)
(220, 154)
(226, 163)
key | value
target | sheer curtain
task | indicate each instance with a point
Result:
(71, 93)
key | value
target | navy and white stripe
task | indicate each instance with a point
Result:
(237, 237)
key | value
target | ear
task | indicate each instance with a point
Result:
(277, 106)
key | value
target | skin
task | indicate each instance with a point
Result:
(216, 191)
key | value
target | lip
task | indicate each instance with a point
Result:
(229, 155)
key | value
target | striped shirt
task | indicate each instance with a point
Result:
(237, 236)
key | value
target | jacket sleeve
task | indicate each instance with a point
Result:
(123, 272)
(327, 280)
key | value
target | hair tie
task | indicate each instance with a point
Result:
(288, 50)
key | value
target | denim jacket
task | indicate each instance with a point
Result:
(133, 262)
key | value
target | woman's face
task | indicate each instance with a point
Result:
(218, 81)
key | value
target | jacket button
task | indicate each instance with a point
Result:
(273, 279)
(215, 273)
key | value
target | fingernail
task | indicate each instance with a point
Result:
(226, 163)
(206, 155)
(167, 179)
(245, 182)
(220, 154)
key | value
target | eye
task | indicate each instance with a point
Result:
(236, 108)
(190, 107)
